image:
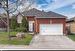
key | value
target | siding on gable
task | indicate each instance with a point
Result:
(72, 27)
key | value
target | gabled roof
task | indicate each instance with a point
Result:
(53, 14)
(42, 14)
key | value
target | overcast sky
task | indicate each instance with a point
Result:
(64, 7)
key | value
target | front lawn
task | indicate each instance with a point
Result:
(4, 39)
(72, 36)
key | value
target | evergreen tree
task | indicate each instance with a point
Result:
(24, 24)
(13, 23)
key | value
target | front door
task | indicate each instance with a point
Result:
(31, 26)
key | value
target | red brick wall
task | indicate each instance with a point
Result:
(47, 21)
(30, 18)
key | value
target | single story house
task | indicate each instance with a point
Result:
(45, 23)
(71, 25)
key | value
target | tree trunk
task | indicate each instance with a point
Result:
(8, 27)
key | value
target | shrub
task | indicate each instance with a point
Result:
(24, 24)
(13, 23)
(21, 29)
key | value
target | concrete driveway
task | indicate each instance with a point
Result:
(52, 42)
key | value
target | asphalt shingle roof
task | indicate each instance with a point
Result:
(42, 14)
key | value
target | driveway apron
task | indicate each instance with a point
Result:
(51, 42)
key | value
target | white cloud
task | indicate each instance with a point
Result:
(70, 15)
(50, 6)
(26, 6)
(57, 4)
(73, 6)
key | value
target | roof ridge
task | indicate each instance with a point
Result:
(39, 13)
(57, 13)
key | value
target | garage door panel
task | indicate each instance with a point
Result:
(51, 29)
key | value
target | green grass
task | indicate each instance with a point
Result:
(5, 40)
(72, 36)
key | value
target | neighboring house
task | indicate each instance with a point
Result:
(71, 25)
(3, 21)
(3, 26)
(45, 23)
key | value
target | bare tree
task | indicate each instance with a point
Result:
(12, 7)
